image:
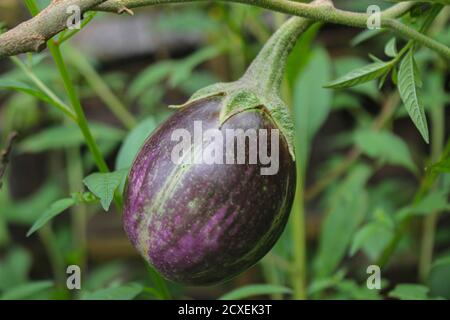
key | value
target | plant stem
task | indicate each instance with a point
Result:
(73, 97)
(100, 87)
(33, 35)
(430, 177)
(79, 212)
(76, 104)
(56, 259)
(57, 102)
(267, 70)
(425, 186)
(430, 221)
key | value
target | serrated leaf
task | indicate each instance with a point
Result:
(125, 292)
(409, 292)
(408, 87)
(103, 185)
(391, 48)
(254, 290)
(361, 75)
(386, 147)
(55, 209)
(345, 65)
(26, 290)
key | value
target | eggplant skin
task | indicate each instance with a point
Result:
(202, 224)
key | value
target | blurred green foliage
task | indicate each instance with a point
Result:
(360, 167)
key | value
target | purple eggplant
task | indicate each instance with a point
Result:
(204, 222)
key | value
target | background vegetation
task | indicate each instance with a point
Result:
(371, 191)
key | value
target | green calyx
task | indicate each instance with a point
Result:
(259, 87)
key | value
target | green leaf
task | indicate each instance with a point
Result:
(373, 238)
(441, 166)
(312, 103)
(439, 277)
(183, 69)
(27, 211)
(385, 146)
(25, 88)
(125, 292)
(103, 275)
(133, 143)
(347, 208)
(391, 48)
(26, 291)
(349, 289)
(318, 285)
(345, 100)
(366, 35)
(55, 209)
(433, 202)
(361, 75)
(345, 65)
(197, 80)
(254, 290)
(149, 77)
(14, 268)
(408, 84)
(68, 136)
(301, 54)
(409, 292)
(103, 185)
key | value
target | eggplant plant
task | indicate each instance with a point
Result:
(332, 189)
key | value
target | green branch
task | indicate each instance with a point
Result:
(33, 34)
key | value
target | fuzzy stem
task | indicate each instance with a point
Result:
(267, 70)
(33, 34)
